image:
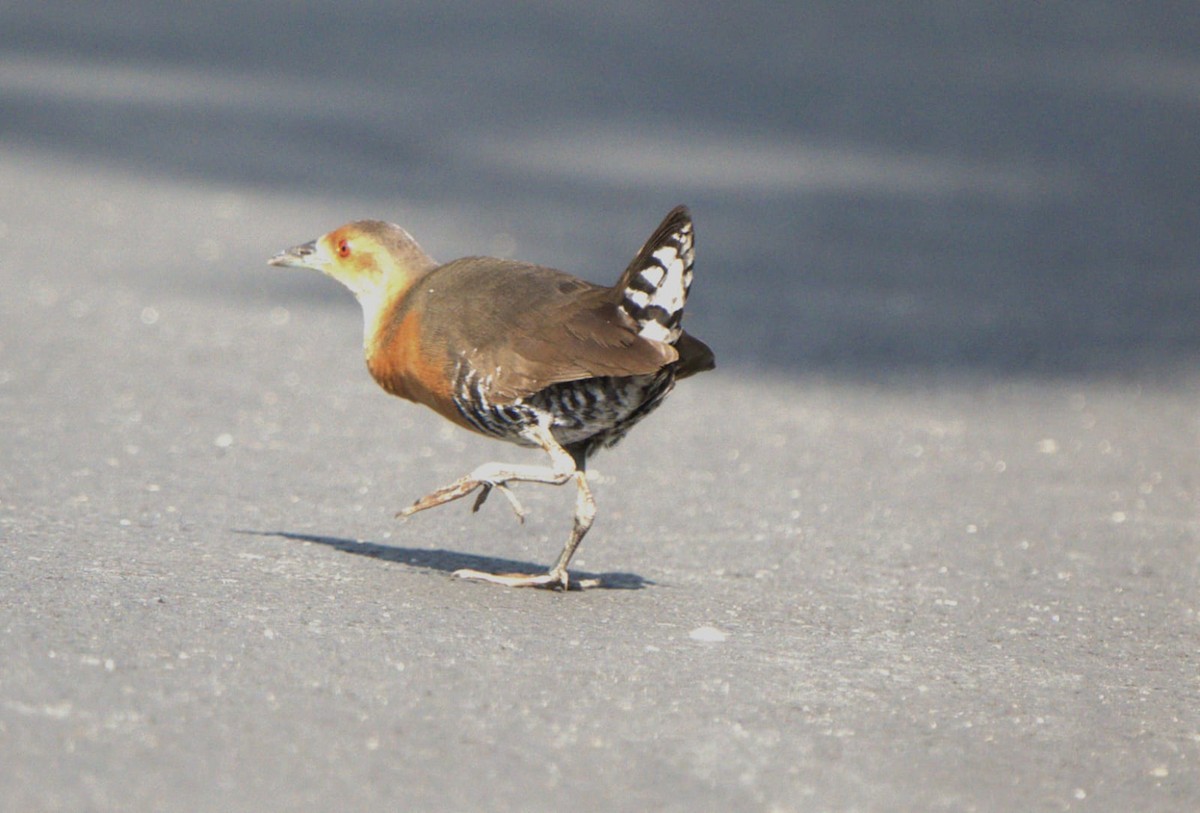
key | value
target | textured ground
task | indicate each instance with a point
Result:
(928, 540)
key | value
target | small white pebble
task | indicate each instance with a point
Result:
(1080, 793)
(224, 440)
(149, 315)
(710, 635)
(1160, 771)
(1047, 446)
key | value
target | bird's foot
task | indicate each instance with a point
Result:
(461, 488)
(553, 580)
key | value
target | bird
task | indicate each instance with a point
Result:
(519, 352)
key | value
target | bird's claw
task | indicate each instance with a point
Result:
(508, 494)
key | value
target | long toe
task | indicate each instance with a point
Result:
(456, 490)
(549, 581)
(481, 498)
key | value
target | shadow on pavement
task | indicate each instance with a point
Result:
(448, 561)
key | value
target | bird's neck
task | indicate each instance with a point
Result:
(380, 304)
(376, 304)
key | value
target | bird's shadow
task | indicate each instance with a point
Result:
(449, 561)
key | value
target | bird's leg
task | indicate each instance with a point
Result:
(497, 476)
(557, 576)
(585, 512)
(562, 467)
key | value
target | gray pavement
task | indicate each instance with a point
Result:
(929, 539)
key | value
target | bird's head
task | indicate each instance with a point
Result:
(375, 260)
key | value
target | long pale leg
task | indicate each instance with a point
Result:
(585, 512)
(496, 475)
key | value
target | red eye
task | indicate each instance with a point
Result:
(343, 248)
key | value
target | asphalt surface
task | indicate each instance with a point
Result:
(929, 539)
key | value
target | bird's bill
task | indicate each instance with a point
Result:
(301, 256)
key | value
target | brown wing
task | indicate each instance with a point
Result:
(527, 326)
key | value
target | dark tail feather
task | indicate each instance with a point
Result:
(694, 356)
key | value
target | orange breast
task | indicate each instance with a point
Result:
(406, 366)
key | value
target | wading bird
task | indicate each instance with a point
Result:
(519, 352)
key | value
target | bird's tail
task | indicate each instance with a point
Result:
(654, 288)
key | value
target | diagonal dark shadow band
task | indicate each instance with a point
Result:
(448, 561)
